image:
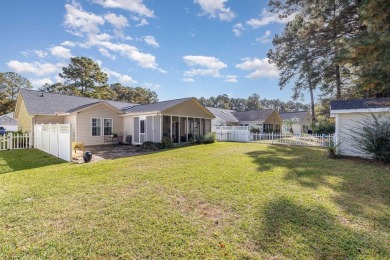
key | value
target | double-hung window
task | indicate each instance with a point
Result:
(96, 126)
(107, 123)
(142, 126)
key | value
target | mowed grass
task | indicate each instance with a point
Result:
(225, 200)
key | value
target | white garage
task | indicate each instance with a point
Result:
(8, 122)
(349, 115)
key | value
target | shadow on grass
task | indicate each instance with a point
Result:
(16, 160)
(290, 230)
(358, 189)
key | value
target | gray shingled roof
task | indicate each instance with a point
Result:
(253, 115)
(360, 103)
(7, 120)
(43, 103)
(224, 114)
(155, 107)
(301, 115)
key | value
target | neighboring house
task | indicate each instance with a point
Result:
(266, 120)
(8, 122)
(299, 122)
(349, 115)
(93, 119)
(223, 117)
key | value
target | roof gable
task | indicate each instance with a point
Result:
(300, 115)
(7, 120)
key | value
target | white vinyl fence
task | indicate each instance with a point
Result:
(289, 139)
(232, 133)
(54, 139)
(11, 141)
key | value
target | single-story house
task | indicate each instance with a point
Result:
(299, 122)
(349, 115)
(266, 120)
(9, 122)
(223, 117)
(93, 119)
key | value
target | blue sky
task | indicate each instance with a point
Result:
(178, 48)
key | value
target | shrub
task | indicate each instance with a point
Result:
(332, 150)
(151, 145)
(373, 137)
(209, 138)
(192, 141)
(255, 130)
(166, 142)
(324, 126)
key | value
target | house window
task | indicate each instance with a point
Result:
(277, 128)
(96, 126)
(142, 126)
(107, 122)
(268, 128)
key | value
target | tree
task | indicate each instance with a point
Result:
(10, 83)
(83, 77)
(137, 95)
(254, 101)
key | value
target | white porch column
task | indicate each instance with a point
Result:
(178, 135)
(170, 128)
(187, 127)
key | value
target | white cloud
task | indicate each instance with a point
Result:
(265, 38)
(143, 22)
(39, 53)
(61, 52)
(118, 21)
(105, 53)
(216, 8)
(68, 44)
(79, 22)
(123, 79)
(188, 80)
(260, 68)
(145, 60)
(37, 83)
(151, 41)
(209, 66)
(134, 6)
(237, 29)
(36, 68)
(231, 78)
(267, 18)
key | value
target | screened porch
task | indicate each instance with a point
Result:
(184, 129)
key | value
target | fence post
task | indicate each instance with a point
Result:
(272, 137)
(10, 141)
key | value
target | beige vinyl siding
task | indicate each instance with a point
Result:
(128, 126)
(84, 121)
(24, 118)
(188, 108)
(39, 119)
(274, 119)
(72, 120)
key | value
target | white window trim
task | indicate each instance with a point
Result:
(112, 125)
(101, 122)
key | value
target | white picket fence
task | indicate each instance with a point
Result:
(289, 139)
(11, 141)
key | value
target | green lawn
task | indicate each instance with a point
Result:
(225, 200)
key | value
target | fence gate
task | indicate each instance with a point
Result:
(11, 141)
(54, 139)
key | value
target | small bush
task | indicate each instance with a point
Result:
(166, 142)
(373, 137)
(324, 126)
(209, 138)
(151, 146)
(255, 130)
(332, 150)
(192, 141)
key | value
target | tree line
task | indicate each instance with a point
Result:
(340, 48)
(252, 102)
(82, 77)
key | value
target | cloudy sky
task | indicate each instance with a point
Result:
(178, 48)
